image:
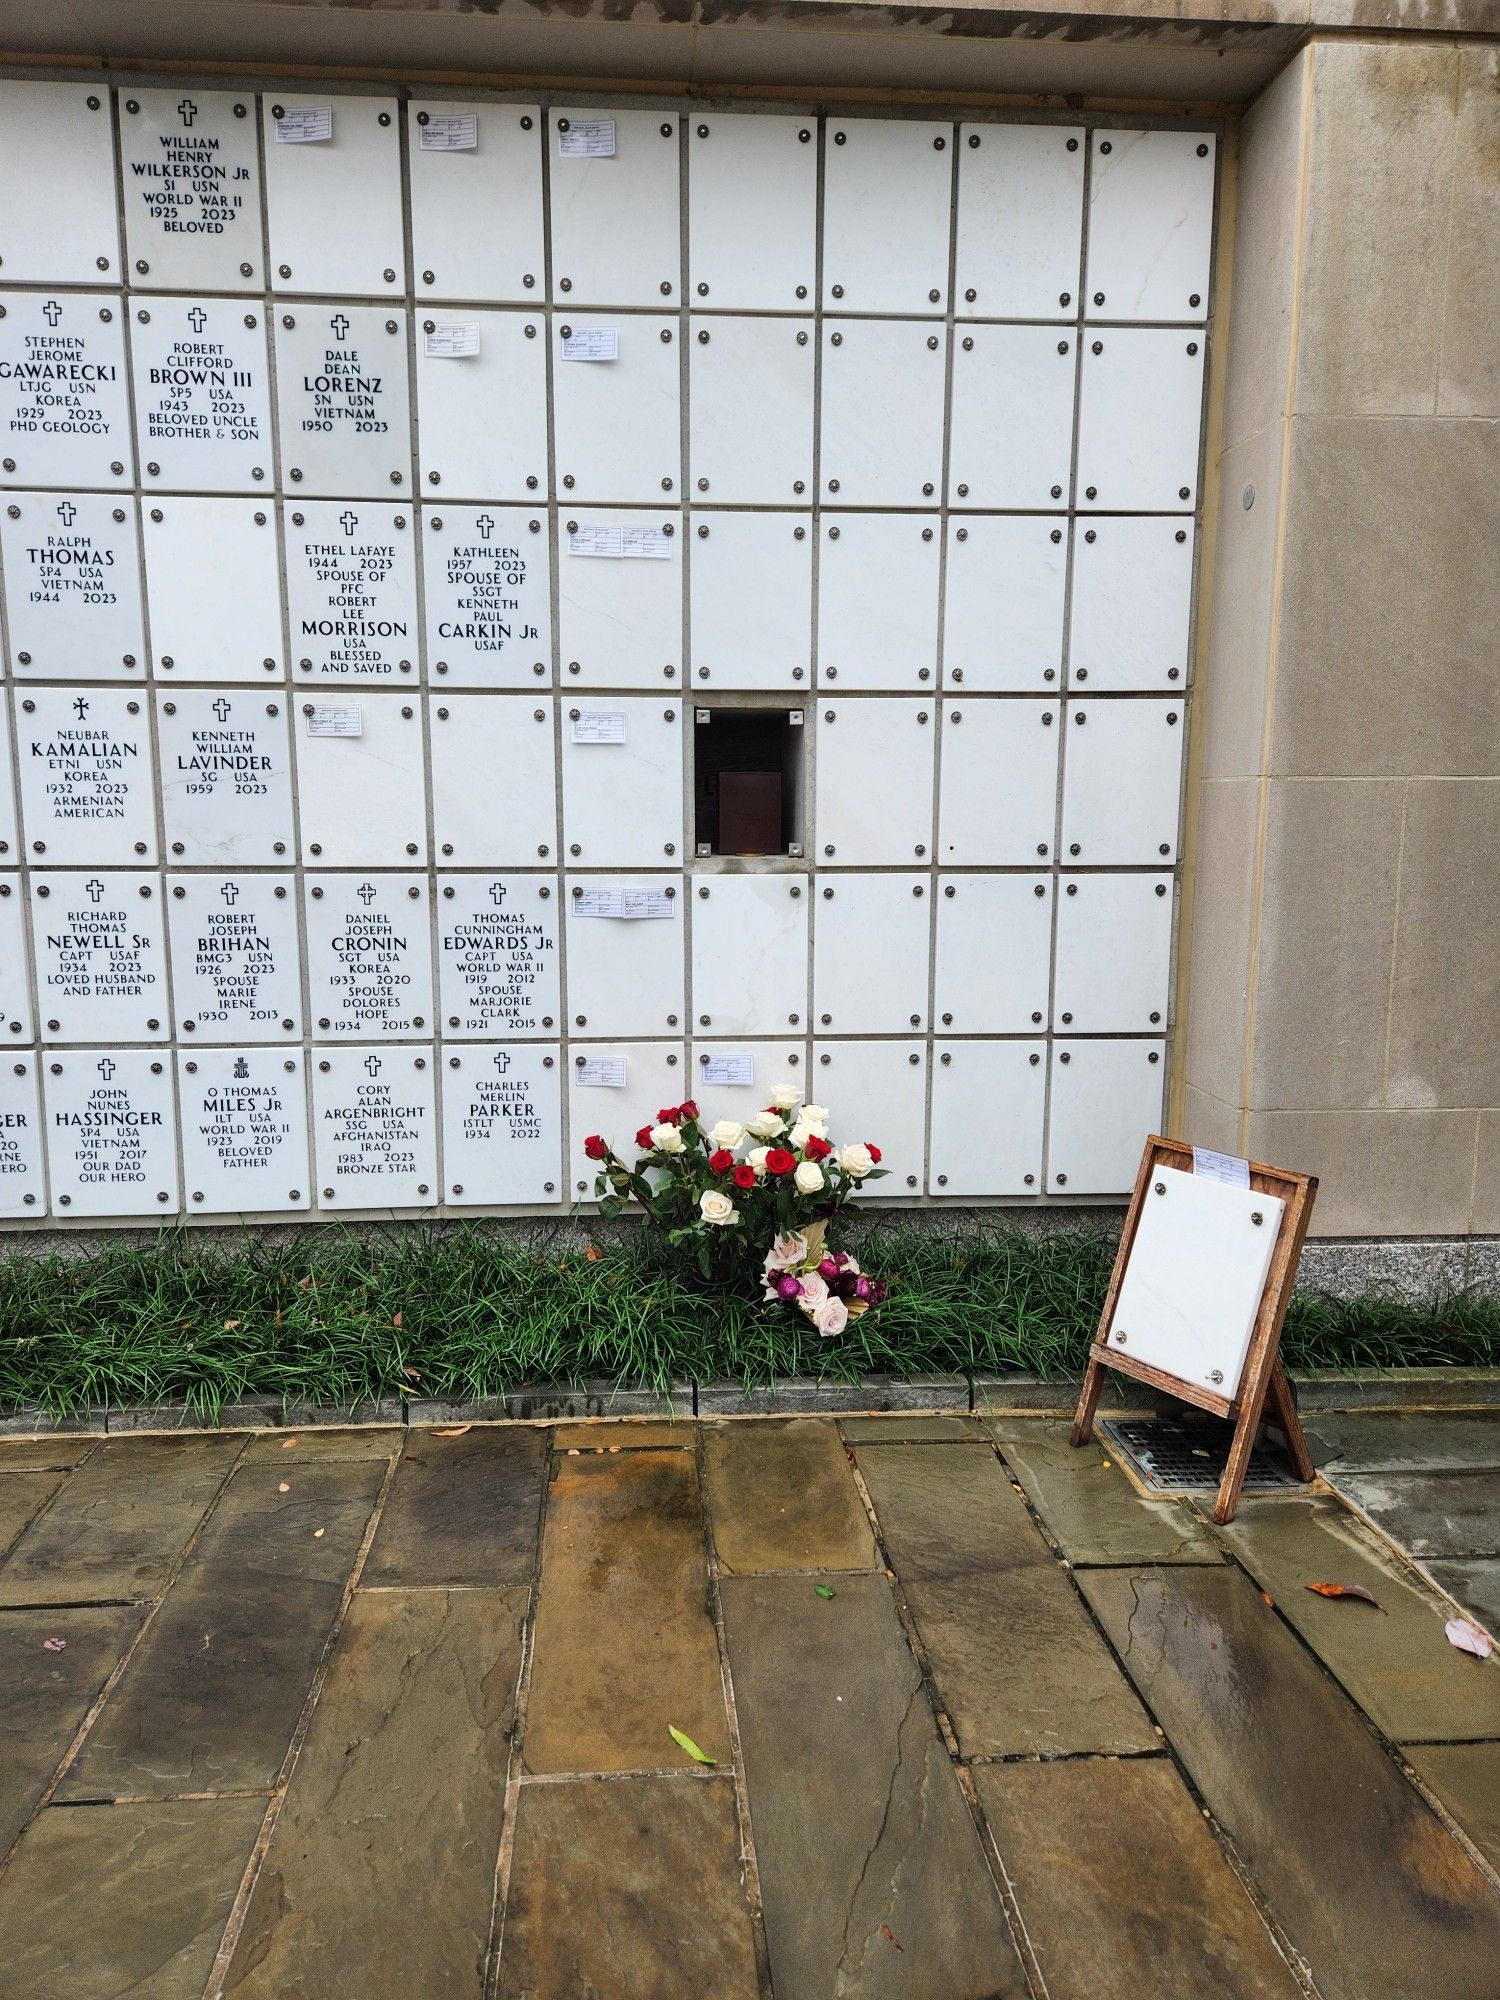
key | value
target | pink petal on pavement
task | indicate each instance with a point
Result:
(1469, 1637)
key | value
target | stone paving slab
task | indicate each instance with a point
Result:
(212, 1696)
(625, 1639)
(629, 1888)
(1466, 1777)
(380, 1875)
(899, 1428)
(462, 1510)
(1121, 1886)
(1370, 1887)
(1396, 1662)
(1418, 1441)
(22, 1497)
(288, 1446)
(784, 1497)
(44, 1454)
(627, 1434)
(120, 1523)
(45, 1696)
(105, 1902)
(873, 1881)
(1442, 1514)
(1476, 1586)
(1018, 1665)
(1091, 1509)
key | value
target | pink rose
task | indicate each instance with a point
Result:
(831, 1317)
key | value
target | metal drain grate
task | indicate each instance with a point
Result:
(1188, 1455)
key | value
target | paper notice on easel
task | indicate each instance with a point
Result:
(1225, 1167)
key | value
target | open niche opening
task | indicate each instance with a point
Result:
(747, 781)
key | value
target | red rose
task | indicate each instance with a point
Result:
(688, 1110)
(744, 1176)
(595, 1147)
(643, 1138)
(671, 1116)
(780, 1161)
(721, 1161)
(873, 1150)
(818, 1149)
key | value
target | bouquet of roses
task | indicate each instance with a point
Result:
(828, 1286)
(727, 1189)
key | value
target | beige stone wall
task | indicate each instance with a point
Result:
(1342, 999)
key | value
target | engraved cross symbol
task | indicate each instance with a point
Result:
(348, 520)
(95, 889)
(486, 526)
(80, 707)
(67, 513)
(502, 1061)
(497, 893)
(340, 325)
(230, 893)
(52, 312)
(372, 1065)
(187, 111)
(222, 709)
(106, 1068)
(367, 893)
(197, 319)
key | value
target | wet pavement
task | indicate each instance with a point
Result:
(342, 1714)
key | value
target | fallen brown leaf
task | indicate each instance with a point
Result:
(593, 1253)
(396, 1320)
(287, 1443)
(1345, 1590)
(1267, 1598)
(453, 1431)
(230, 1325)
(887, 1932)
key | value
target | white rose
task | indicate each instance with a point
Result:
(814, 1291)
(856, 1162)
(787, 1252)
(715, 1207)
(756, 1157)
(667, 1139)
(800, 1133)
(831, 1316)
(808, 1177)
(786, 1096)
(814, 1114)
(765, 1124)
(726, 1134)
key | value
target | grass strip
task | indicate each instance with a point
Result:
(337, 1318)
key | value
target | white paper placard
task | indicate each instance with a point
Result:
(601, 1073)
(190, 173)
(450, 339)
(362, 792)
(111, 1133)
(502, 1124)
(72, 587)
(101, 965)
(226, 776)
(202, 395)
(15, 962)
(375, 1128)
(236, 969)
(64, 405)
(587, 139)
(344, 399)
(351, 576)
(599, 725)
(326, 718)
(448, 131)
(1225, 1167)
(22, 1182)
(591, 343)
(624, 902)
(497, 955)
(725, 1069)
(304, 125)
(87, 785)
(601, 539)
(244, 1130)
(369, 956)
(488, 596)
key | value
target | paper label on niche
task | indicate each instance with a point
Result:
(448, 339)
(653, 544)
(588, 139)
(600, 1073)
(304, 125)
(729, 1069)
(599, 725)
(1223, 1167)
(631, 904)
(592, 343)
(449, 132)
(327, 719)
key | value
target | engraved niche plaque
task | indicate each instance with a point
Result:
(244, 1130)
